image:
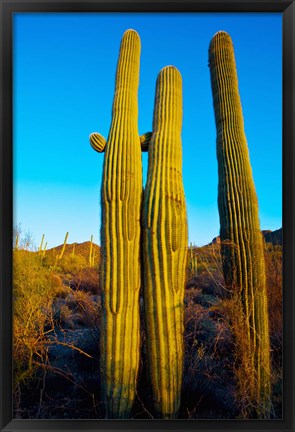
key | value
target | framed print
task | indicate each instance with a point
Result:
(147, 242)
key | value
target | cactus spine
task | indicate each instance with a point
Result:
(165, 246)
(121, 197)
(241, 238)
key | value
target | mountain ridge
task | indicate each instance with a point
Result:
(274, 237)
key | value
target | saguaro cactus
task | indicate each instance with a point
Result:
(192, 261)
(41, 244)
(121, 196)
(90, 259)
(165, 245)
(64, 247)
(241, 238)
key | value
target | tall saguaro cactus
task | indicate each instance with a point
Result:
(241, 239)
(121, 196)
(165, 245)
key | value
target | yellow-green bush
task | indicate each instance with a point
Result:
(72, 263)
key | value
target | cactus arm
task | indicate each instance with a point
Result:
(97, 142)
(145, 141)
(165, 246)
(121, 196)
(241, 239)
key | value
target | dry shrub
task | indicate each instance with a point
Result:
(232, 312)
(208, 378)
(274, 280)
(59, 289)
(78, 309)
(248, 406)
(32, 319)
(87, 279)
(42, 305)
(273, 261)
(200, 294)
(209, 272)
(89, 308)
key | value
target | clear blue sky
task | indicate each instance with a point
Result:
(64, 71)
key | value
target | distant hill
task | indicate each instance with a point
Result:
(274, 237)
(79, 249)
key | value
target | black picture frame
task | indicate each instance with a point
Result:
(7, 8)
